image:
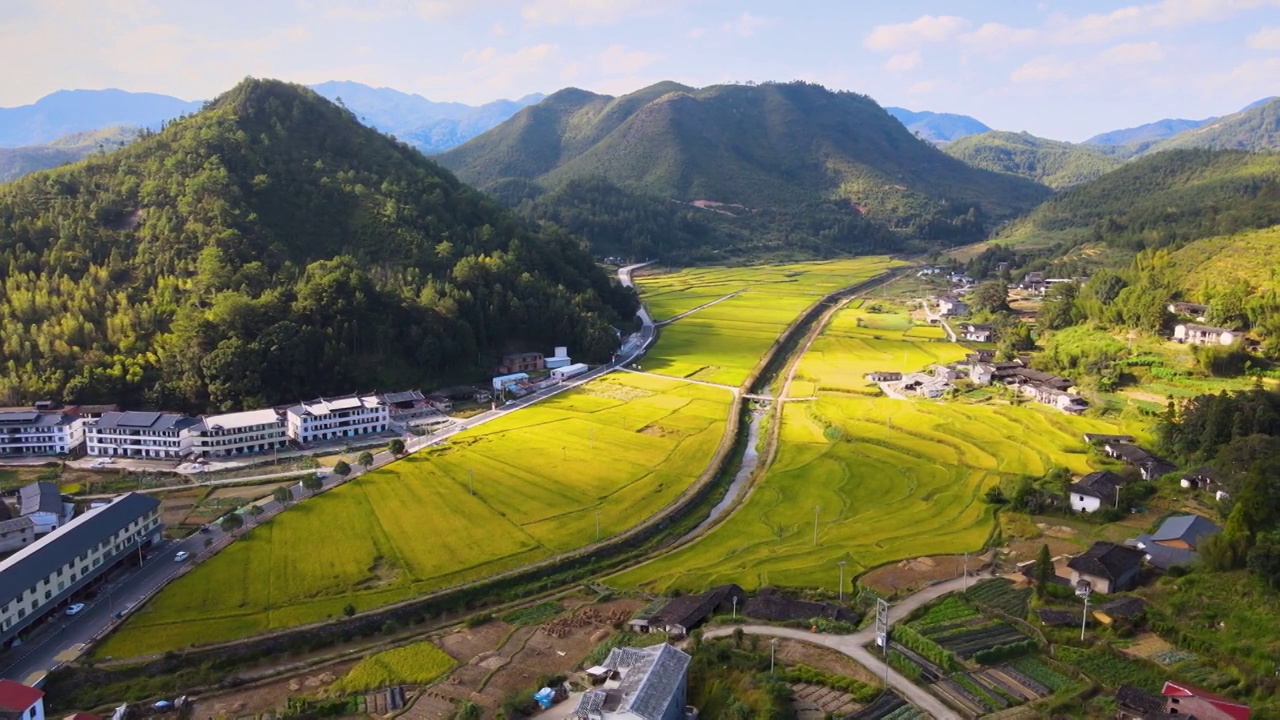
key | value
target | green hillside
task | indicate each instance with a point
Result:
(271, 248)
(1051, 162)
(766, 147)
(1164, 199)
(19, 161)
(1217, 263)
(1255, 128)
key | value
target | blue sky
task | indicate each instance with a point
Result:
(1059, 69)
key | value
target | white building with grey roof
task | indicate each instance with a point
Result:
(641, 684)
(44, 504)
(31, 432)
(140, 434)
(39, 579)
(238, 433)
(334, 418)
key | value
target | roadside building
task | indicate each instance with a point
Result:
(559, 359)
(521, 363)
(44, 504)
(569, 371)
(639, 684)
(407, 406)
(331, 419)
(33, 432)
(503, 382)
(240, 433)
(1107, 567)
(1095, 491)
(38, 580)
(1203, 334)
(682, 614)
(20, 702)
(440, 402)
(140, 434)
(16, 534)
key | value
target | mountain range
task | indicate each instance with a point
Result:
(73, 111)
(19, 161)
(271, 247)
(938, 127)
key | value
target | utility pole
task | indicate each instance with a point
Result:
(597, 526)
(1084, 591)
(773, 646)
(816, 509)
(966, 572)
(472, 473)
(735, 607)
(841, 563)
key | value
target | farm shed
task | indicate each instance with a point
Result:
(685, 613)
(1057, 618)
(502, 382)
(1128, 608)
(1107, 567)
(569, 371)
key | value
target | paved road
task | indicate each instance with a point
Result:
(132, 586)
(703, 306)
(854, 645)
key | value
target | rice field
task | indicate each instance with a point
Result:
(624, 446)
(877, 479)
(417, 664)
(724, 342)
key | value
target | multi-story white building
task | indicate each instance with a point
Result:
(140, 434)
(351, 416)
(241, 433)
(38, 580)
(20, 702)
(30, 432)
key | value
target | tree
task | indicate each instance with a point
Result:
(1044, 571)
(231, 523)
(992, 297)
(283, 496)
(348, 610)
(396, 447)
(365, 459)
(1060, 308)
(341, 468)
(468, 711)
(1264, 559)
(311, 483)
(255, 512)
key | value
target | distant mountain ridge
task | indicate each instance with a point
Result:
(71, 111)
(938, 127)
(1052, 162)
(19, 161)
(1257, 127)
(1146, 133)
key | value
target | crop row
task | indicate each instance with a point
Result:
(1033, 668)
(949, 609)
(1000, 594)
(1109, 668)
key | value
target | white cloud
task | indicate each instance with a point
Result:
(924, 87)
(921, 31)
(904, 62)
(1130, 54)
(1139, 19)
(587, 12)
(618, 60)
(746, 25)
(1042, 69)
(1267, 38)
(995, 39)
(370, 11)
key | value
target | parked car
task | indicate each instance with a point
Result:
(74, 609)
(181, 556)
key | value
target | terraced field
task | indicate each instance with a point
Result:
(886, 479)
(624, 446)
(723, 342)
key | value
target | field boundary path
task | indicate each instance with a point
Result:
(731, 388)
(854, 645)
(703, 306)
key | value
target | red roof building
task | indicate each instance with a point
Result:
(1204, 705)
(20, 702)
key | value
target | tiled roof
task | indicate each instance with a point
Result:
(21, 523)
(1104, 485)
(1230, 707)
(1124, 607)
(138, 420)
(1163, 556)
(16, 697)
(1138, 700)
(650, 677)
(1107, 560)
(40, 497)
(1190, 529)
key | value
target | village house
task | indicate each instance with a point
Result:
(521, 363)
(239, 433)
(1203, 334)
(682, 614)
(20, 702)
(981, 373)
(140, 434)
(441, 402)
(1202, 478)
(34, 432)
(559, 359)
(1177, 541)
(925, 385)
(884, 376)
(1191, 310)
(638, 684)
(1192, 702)
(335, 418)
(1107, 567)
(976, 332)
(1095, 491)
(1149, 465)
(408, 406)
(16, 534)
(44, 504)
(949, 306)
(980, 356)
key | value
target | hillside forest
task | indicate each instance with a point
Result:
(271, 248)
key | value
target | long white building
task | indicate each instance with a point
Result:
(322, 419)
(39, 579)
(30, 432)
(240, 433)
(140, 434)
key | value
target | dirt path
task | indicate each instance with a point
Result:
(703, 306)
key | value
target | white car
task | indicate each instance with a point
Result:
(74, 609)
(181, 556)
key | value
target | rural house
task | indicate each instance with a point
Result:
(1101, 439)
(139, 434)
(683, 614)
(1186, 309)
(1192, 702)
(34, 432)
(1134, 703)
(20, 702)
(884, 376)
(1203, 334)
(1122, 610)
(521, 363)
(975, 332)
(16, 534)
(1095, 491)
(951, 306)
(980, 356)
(640, 684)
(1148, 464)
(1202, 478)
(1177, 541)
(43, 503)
(1107, 567)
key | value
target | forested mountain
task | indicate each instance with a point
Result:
(938, 128)
(1147, 134)
(72, 111)
(271, 248)
(1051, 162)
(1254, 128)
(767, 148)
(1160, 200)
(429, 126)
(19, 161)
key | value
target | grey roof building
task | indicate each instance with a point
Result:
(643, 684)
(40, 497)
(1107, 567)
(1177, 541)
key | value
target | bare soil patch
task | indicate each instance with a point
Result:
(794, 652)
(915, 573)
(269, 696)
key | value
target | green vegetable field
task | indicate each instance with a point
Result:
(414, 526)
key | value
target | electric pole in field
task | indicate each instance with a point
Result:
(882, 633)
(597, 526)
(966, 572)
(471, 472)
(841, 563)
(1083, 590)
(773, 647)
(816, 509)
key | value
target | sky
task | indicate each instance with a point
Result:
(1065, 70)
